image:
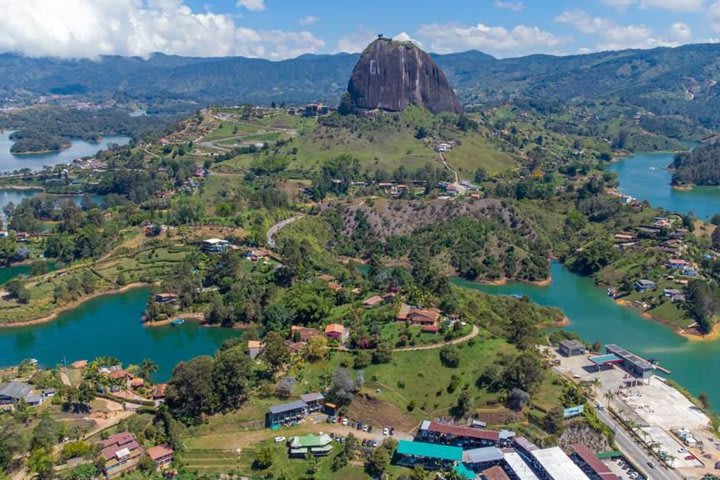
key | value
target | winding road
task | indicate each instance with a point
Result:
(279, 226)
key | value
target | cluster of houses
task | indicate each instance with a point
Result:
(310, 110)
(474, 452)
(121, 453)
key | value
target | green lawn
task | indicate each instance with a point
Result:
(476, 152)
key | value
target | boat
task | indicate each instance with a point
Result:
(177, 322)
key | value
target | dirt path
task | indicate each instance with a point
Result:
(469, 336)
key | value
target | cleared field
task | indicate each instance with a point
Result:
(476, 152)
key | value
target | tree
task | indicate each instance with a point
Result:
(276, 317)
(46, 434)
(463, 404)
(342, 389)
(231, 376)
(191, 393)
(263, 458)
(554, 421)
(41, 463)
(275, 353)
(382, 353)
(525, 372)
(316, 348)
(491, 378)
(702, 303)
(596, 347)
(704, 401)
(517, 399)
(450, 356)
(378, 462)
(716, 238)
(345, 107)
(363, 358)
(147, 367)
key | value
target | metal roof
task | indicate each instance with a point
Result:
(603, 359)
(430, 450)
(15, 390)
(482, 455)
(629, 357)
(592, 461)
(288, 407)
(521, 469)
(462, 431)
(312, 397)
(558, 465)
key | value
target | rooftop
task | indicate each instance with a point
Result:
(495, 473)
(159, 451)
(629, 357)
(604, 359)
(572, 344)
(334, 328)
(461, 431)
(593, 462)
(310, 441)
(482, 455)
(558, 465)
(312, 397)
(288, 407)
(430, 450)
(521, 469)
(16, 390)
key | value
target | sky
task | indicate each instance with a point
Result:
(281, 29)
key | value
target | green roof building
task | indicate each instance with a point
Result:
(318, 445)
(430, 455)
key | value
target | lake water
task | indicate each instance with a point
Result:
(110, 325)
(645, 177)
(594, 316)
(80, 148)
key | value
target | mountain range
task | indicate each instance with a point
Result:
(667, 81)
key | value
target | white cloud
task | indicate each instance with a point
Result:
(508, 5)
(89, 28)
(611, 36)
(357, 41)
(713, 13)
(309, 20)
(581, 20)
(672, 5)
(680, 32)
(252, 5)
(404, 37)
(496, 40)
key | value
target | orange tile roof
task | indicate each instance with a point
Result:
(334, 328)
(159, 451)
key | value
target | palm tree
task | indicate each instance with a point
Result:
(609, 395)
(146, 368)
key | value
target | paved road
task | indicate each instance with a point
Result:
(630, 448)
(277, 227)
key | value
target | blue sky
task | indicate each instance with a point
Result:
(278, 29)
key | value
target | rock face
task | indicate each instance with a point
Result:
(392, 75)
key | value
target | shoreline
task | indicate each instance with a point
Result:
(72, 305)
(691, 335)
(504, 281)
(192, 317)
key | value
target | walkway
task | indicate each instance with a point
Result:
(277, 227)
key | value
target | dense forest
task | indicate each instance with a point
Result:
(699, 167)
(50, 129)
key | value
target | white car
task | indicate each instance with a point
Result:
(279, 439)
(345, 422)
(385, 431)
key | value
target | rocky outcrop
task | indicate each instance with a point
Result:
(393, 75)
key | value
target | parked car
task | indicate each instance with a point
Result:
(280, 439)
(385, 431)
(345, 422)
(365, 428)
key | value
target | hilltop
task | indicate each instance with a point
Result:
(392, 75)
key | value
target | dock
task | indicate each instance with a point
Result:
(662, 369)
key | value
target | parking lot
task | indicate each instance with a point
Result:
(622, 469)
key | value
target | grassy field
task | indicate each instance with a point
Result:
(476, 152)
